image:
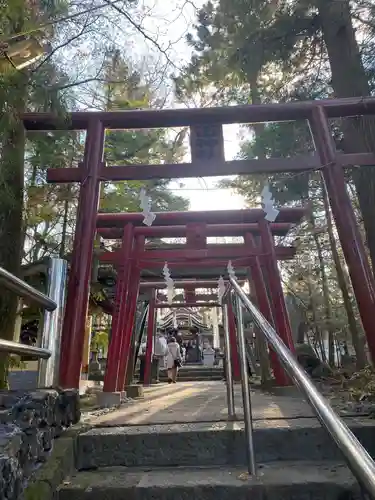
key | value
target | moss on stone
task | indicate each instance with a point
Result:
(39, 490)
(59, 465)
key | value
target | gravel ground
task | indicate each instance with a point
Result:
(342, 401)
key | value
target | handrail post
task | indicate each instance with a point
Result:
(228, 366)
(358, 459)
(246, 398)
(235, 359)
(51, 335)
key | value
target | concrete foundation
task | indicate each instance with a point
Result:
(134, 391)
(108, 399)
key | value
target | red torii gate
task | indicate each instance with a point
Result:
(158, 285)
(206, 160)
(194, 255)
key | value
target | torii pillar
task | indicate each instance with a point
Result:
(264, 307)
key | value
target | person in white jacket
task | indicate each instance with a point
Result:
(173, 360)
(159, 352)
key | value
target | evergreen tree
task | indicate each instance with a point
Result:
(47, 224)
(256, 51)
(123, 91)
(16, 19)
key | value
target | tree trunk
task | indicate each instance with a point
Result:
(11, 205)
(349, 79)
(37, 240)
(318, 333)
(357, 337)
(64, 225)
(325, 290)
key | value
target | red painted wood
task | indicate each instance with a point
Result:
(128, 320)
(254, 113)
(289, 215)
(192, 258)
(117, 173)
(260, 290)
(275, 288)
(120, 309)
(361, 275)
(80, 270)
(277, 228)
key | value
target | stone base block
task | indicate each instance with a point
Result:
(108, 399)
(232, 418)
(134, 391)
(290, 391)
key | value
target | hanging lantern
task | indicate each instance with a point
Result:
(19, 53)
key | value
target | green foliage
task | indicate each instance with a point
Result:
(260, 51)
(361, 385)
(51, 209)
(125, 90)
(32, 212)
(240, 42)
(99, 341)
(16, 362)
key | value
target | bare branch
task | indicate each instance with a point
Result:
(62, 20)
(140, 30)
(59, 47)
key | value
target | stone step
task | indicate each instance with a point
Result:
(194, 373)
(212, 444)
(163, 377)
(275, 481)
(204, 375)
(184, 371)
(200, 369)
(191, 378)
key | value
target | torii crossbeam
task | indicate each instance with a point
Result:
(207, 159)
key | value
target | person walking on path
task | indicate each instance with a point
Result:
(173, 360)
(159, 352)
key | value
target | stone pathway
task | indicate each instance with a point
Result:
(189, 402)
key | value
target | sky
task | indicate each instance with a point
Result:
(170, 22)
(167, 24)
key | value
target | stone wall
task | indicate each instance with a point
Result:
(29, 422)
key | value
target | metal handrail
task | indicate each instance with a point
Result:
(359, 461)
(23, 350)
(26, 291)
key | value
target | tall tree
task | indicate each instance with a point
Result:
(241, 45)
(48, 84)
(260, 51)
(16, 18)
(125, 90)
